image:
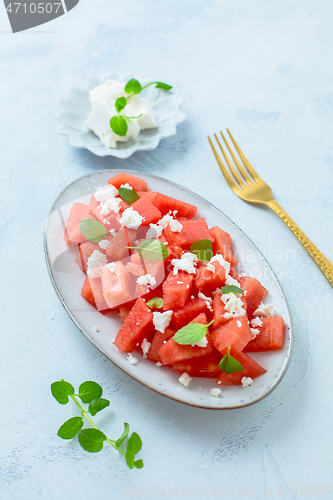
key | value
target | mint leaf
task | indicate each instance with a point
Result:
(128, 195)
(203, 249)
(93, 230)
(134, 445)
(231, 289)
(124, 434)
(97, 405)
(138, 464)
(89, 390)
(155, 302)
(165, 86)
(120, 104)
(61, 390)
(70, 428)
(229, 364)
(133, 86)
(91, 440)
(191, 333)
(118, 125)
(152, 250)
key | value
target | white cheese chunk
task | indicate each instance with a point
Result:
(175, 226)
(154, 231)
(185, 379)
(201, 343)
(111, 267)
(165, 221)
(233, 305)
(220, 259)
(239, 324)
(162, 320)
(96, 328)
(145, 347)
(127, 186)
(131, 219)
(105, 193)
(187, 263)
(254, 332)
(111, 204)
(265, 310)
(208, 301)
(103, 244)
(95, 263)
(216, 392)
(231, 281)
(131, 359)
(246, 381)
(146, 280)
(256, 322)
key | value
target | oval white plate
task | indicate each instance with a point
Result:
(68, 279)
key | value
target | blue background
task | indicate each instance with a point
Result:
(264, 70)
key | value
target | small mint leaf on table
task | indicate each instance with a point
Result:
(91, 440)
(155, 303)
(191, 333)
(133, 86)
(97, 405)
(93, 230)
(128, 195)
(231, 289)
(229, 364)
(134, 445)
(138, 464)
(89, 390)
(120, 104)
(152, 250)
(203, 249)
(124, 434)
(61, 390)
(161, 85)
(70, 428)
(119, 125)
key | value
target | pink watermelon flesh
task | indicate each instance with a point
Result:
(137, 326)
(251, 369)
(73, 235)
(271, 336)
(116, 285)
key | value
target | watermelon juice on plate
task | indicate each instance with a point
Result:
(148, 271)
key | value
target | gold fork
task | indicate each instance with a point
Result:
(246, 183)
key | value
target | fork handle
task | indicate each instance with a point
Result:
(322, 262)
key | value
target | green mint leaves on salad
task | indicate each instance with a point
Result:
(92, 438)
(229, 364)
(93, 230)
(155, 303)
(231, 289)
(118, 123)
(152, 250)
(191, 334)
(128, 195)
(203, 249)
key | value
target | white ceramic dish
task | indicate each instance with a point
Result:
(67, 279)
(76, 108)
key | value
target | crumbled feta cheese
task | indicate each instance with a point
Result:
(211, 268)
(146, 280)
(233, 305)
(215, 392)
(113, 340)
(186, 263)
(154, 231)
(105, 193)
(180, 282)
(256, 322)
(265, 310)
(159, 364)
(165, 221)
(220, 259)
(113, 232)
(127, 186)
(246, 381)
(201, 343)
(187, 286)
(208, 301)
(131, 359)
(131, 219)
(103, 244)
(162, 320)
(95, 263)
(239, 324)
(105, 221)
(175, 212)
(111, 204)
(185, 379)
(254, 332)
(192, 297)
(175, 226)
(111, 267)
(231, 281)
(96, 328)
(145, 347)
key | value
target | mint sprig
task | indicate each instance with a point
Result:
(152, 250)
(229, 364)
(93, 230)
(231, 289)
(92, 439)
(203, 249)
(118, 123)
(191, 333)
(128, 195)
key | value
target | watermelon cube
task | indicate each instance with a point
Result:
(73, 235)
(255, 293)
(218, 312)
(251, 369)
(157, 342)
(206, 281)
(116, 285)
(85, 250)
(117, 249)
(204, 366)
(111, 220)
(223, 244)
(137, 326)
(136, 183)
(166, 204)
(235, 333)
(271, 336)
(87, 294)
(97, 292)
(176, 290)
(184, 315)
(148, 210)
(192, 231)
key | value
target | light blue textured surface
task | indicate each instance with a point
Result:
(264, 70)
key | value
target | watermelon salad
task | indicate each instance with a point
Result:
(174, 282)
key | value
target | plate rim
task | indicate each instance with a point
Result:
(101, 350)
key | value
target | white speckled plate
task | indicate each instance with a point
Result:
(67, 279)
